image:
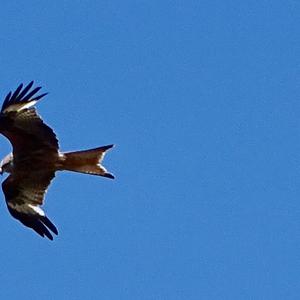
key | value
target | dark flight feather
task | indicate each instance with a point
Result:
(24, 92)
(22, 96)
(17, 91)
(38, 223)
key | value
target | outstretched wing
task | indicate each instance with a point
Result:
(20, 123)
(24, 194)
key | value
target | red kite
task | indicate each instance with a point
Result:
(35, 159)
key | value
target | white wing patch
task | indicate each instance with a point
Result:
(37, 209)
(27, 208)
(19, 106)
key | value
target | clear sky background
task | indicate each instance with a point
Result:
(202, 99)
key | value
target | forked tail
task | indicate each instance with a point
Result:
(87, 161)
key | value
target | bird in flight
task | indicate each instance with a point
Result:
(35, 158)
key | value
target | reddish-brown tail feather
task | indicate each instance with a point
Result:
(86, 161)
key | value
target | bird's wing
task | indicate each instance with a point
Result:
(24, 194)
(24, 128)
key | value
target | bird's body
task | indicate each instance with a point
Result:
(35, 159)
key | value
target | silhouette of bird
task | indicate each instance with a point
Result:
(35, 158)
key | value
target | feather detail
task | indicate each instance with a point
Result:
(21, 99)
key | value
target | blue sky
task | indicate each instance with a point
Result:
(201, 99)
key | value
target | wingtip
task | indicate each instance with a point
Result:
(109, 175)
(39, 97)
(49, 224)
(50, 237)
(107, 147)
(22, 95)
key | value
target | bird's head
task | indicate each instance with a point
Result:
(6, 164)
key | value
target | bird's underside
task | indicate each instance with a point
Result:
(36, 158)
